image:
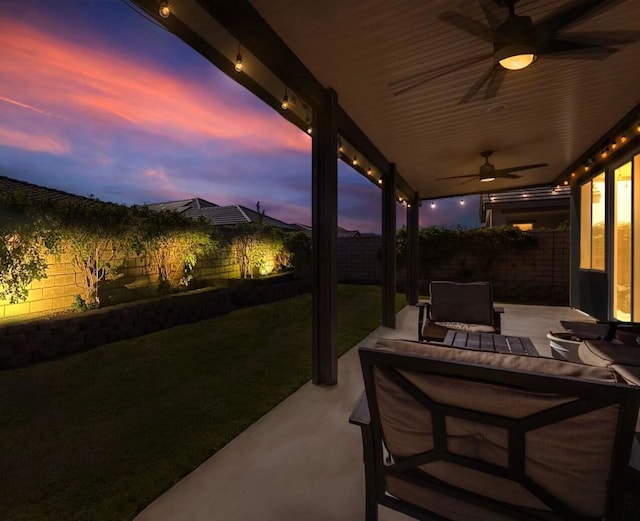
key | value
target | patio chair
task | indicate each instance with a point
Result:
(451, 434)
(460, 306)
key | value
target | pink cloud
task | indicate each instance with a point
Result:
(33, 142)
(123, 91)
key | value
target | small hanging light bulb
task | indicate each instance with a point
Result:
(340, 149)
(164, 10)
(380, 181)
(285, 100)
(354, 162)
(573, 174)
(565, 182)
(433, 205)
(239, 66)
(462, 201)
(623, 138)
(369, 171)
(408, 205)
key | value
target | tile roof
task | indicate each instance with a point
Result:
(183, 205)
(228, 215)
(38, 193)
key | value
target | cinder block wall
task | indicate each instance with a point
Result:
(534, 276)
(56, 293)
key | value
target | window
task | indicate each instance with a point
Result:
(592, 224)
(525, 227)
(622, 242)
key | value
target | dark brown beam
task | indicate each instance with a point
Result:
(389, 247)
(175, 26)
(246, 24)
(325, 242)
(413, 227)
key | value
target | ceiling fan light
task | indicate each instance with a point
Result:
(517, 62)
(514, 43)
(487, 179)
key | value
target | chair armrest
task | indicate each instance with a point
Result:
(360, 415)
(425, 312)
(497, 312)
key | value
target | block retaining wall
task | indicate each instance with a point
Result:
(36, 340)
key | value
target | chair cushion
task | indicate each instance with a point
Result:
(461, 302)
(599, 352)
(571, 458)
(463, 326)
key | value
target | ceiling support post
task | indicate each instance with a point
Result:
(325, 241)
(389, 247)
(413, 275)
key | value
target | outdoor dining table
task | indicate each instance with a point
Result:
(490, 342)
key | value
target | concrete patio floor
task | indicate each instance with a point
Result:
(303, 460)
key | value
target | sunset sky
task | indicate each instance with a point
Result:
(96, 100)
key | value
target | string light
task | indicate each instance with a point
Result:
(369, 171)
(307, 118)
(239, 66)
(164, 10)
(340, 147)
(380, 181)
(565, 182)
(623, 138)
(433, 205)
(354, 162)
(573, 174)
(285, 100)
(604, 153)
(461, 201)
(613, 145)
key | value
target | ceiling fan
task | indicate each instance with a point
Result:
(488, 172)
(518, 42)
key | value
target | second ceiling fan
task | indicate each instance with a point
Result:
(488, 172)
(517, 42)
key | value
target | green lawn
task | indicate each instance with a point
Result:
(99, 435)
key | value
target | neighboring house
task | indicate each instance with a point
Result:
(236, 214)
(182, 206)
(39, 193)
(342, 232)
(527, 209)
(219, 215)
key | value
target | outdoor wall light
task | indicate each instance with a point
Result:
(164, 10)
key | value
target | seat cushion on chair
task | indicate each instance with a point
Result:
(569, 458)
(601, 353)
(463, 326)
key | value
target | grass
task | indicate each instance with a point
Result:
(99, 435)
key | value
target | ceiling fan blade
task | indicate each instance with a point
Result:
(604, 38)
(493, 21)
(567, 46)
(468, 25)
(494, 84)
(477, 85)
(411, 82)
(469, 181)
(455, 177)
(501, 172)
(508, 176)
(547, 28)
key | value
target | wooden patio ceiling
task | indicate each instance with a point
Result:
(557, 111)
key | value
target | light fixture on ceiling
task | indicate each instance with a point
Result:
(164, 10)
(514, 42)
(285, 100)
(239, 66)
